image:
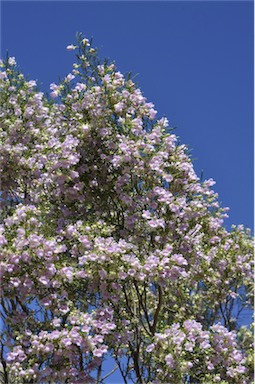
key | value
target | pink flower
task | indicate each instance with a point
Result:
(66, 341)
(150, 348)
(155, 223)
(240, 369)
(119, 107)
(179, 259)
(205, 345)
(146, 215)
(54, 94)
(169, 360)
(44, 280)
(3, 240)
(68, 273)
(100, 351)
(56, 322)
(122, 275)
(69, 77)
(210, 366)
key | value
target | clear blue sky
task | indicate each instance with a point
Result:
(194, 60)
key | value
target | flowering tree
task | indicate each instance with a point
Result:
(110, 244)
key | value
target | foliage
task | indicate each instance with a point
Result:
(110, 243)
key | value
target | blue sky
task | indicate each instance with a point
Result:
(194, 61)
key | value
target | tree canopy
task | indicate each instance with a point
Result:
(110, 244)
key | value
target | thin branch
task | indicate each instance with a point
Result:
(160, 297)
(110, 373)
(5, 373)
(127, 301)
(99, 370)
(135, 356)
(121, 370)
(140, 301)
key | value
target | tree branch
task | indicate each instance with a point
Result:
(160, 297)
(110, 373)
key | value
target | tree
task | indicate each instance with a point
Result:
(110, 243)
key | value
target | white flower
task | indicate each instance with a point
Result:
(11, 61)
(86, 42)
(71, 47)
(54, 94)
(3, 75)
(31, 83)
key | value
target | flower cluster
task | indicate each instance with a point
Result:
(70, 350)
(188, 351)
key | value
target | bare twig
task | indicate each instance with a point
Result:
(110, 373)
